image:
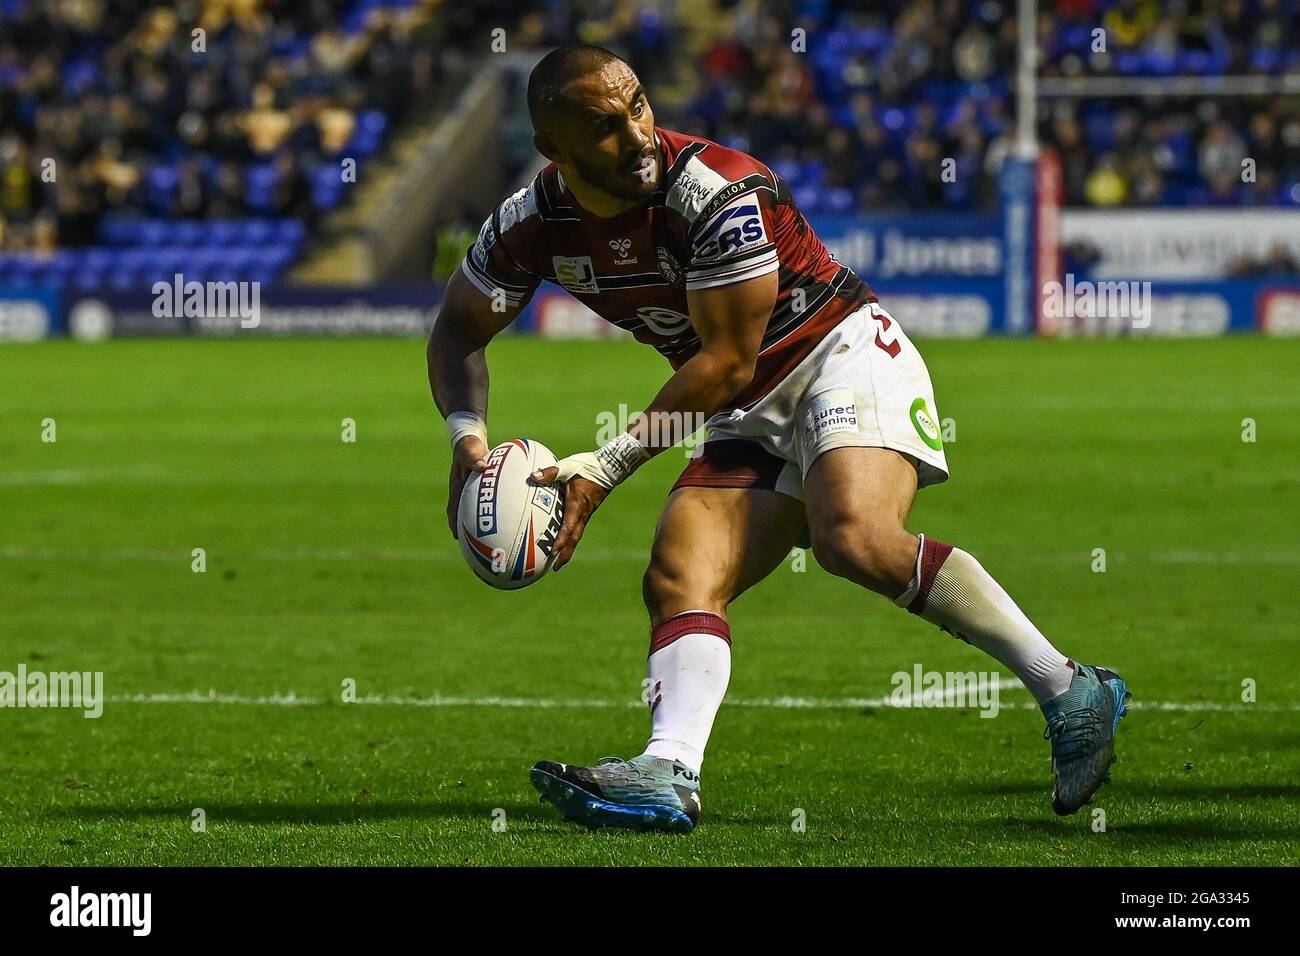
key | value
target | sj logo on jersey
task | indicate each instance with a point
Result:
(575, 273)
(736, 226)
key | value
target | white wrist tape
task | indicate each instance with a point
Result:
(608, 465)
(460, 424)
(621, 456)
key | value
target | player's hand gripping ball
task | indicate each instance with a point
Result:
(507, 524)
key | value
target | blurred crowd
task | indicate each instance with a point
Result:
(205, 108)
(225, 108)
(873, 103)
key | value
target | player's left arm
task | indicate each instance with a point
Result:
(730, 321)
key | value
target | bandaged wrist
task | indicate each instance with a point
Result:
(460, 424)
(620, 456)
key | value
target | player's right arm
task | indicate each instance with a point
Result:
(458, 377)
(495, 280)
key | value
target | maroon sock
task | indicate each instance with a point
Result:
(688, 622)
(933, 555)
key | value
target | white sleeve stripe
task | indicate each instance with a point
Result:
(482, 283)
(712, 266)
(724, 268)
(751, 272)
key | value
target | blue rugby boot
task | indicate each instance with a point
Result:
(644, 793)
(1081, 724)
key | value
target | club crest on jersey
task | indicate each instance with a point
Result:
(575, 273)
(670, 268)
(736, 226)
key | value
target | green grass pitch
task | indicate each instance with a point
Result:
(329, 561)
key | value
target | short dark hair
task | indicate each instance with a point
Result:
(559, 67)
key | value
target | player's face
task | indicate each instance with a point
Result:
(607, 138)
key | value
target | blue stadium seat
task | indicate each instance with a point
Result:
(152, 233)
(97, 260)
(87, 280)
(290, 232)
(1266, 61)
(222, 232)
(259, 186)
(812, 172)
(788, 169)
(893, 119)
(1076, 39)
(326, 187)
(161, 183)
(840, 200)
(871, 40)
(189, 232)
(115, 230)
(256, 232)
(123, 280)
(808, 198)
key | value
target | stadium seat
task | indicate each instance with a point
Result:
(260, 183)
(326, 186)
(161, 183)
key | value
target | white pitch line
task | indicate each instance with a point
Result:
(62, 476)
(451, 554)
(212, 697)
(760, 703)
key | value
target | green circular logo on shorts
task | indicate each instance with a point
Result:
(925, 425)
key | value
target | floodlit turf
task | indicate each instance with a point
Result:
(329, 561)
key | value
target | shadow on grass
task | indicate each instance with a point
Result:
(1156, 835)
(1172, 791)
(359, 811)
(470, 813)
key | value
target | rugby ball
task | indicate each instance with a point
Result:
(507, 525)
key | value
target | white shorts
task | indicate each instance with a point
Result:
(863, 386)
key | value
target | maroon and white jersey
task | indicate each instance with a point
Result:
(719, 216)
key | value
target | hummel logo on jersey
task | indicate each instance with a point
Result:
(621, 247)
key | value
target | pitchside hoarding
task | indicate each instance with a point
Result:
(940, 274)
(192, 308)
(1180, 244)
(28, 313)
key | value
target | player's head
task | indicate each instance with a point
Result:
(592, 119)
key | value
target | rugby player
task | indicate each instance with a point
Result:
(821, 417)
